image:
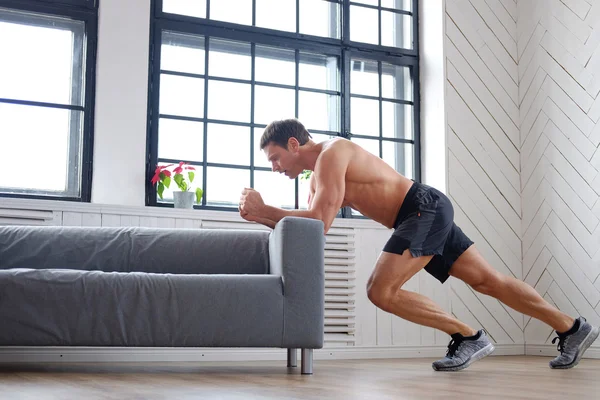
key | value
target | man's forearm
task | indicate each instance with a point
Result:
(266, 221)
(276, 214)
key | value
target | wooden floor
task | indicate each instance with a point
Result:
(494, 377)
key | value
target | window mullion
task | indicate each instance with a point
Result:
(205, 139)
(297, 95)
(252, 87)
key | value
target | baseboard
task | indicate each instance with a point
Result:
(135, 354)
(550, 350)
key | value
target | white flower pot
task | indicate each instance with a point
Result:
(184, 199)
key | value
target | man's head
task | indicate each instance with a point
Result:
(281, 143)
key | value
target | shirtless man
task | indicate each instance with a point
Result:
(422, 217)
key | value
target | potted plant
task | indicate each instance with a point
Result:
(165, 174)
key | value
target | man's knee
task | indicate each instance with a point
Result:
(382, 294)
(490, 284)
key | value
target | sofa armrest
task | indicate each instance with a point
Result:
(297, 254)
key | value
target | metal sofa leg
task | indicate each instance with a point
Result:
(307, 361)
(292, 357)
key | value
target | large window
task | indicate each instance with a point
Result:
(223, 70)
(47, 54)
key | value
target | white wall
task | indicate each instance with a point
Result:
(524, 161)
(121, 103)
(483, 142)
(559, 81)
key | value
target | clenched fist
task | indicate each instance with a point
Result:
(251, 203)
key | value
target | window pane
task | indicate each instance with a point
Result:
(35, 141)
(320, 18)
(180, 140)
(318, 71)
(319, 137)
(396, 30)
(397, 120)
(229, 59)
(371, 145)
(364, 117)
(369, 2)
(273, 104)
(236, 11)
(276, 189)
(225, 185)
(400, 156)
(40, 62)
(182, 96)
(303, 192)
(197, 183)
(275, 65)
(229, 101)
(182, 53)
(396, 82)
(405, 5)
(260, 158)
(364, 77)
(276, 14)
(364, 25)
(319, 111)
(228, 144)
(196, 8)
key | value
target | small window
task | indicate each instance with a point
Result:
(45, 122)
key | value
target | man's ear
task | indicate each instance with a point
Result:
(293, 144)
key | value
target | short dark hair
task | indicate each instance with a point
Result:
(279, 132)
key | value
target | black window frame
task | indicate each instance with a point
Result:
(343, 48)
(85, 11)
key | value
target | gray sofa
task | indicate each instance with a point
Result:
(101, 286)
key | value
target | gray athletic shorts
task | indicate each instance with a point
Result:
(425, 226)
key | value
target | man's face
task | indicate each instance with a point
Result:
(282, 160)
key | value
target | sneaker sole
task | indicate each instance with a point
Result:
(486, 351)
(587, 342)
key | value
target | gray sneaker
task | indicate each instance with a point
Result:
(572, 346)
(462, 352)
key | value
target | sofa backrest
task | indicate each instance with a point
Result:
(126, 249)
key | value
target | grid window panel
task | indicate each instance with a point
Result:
(195, 8)
(318, 71)
(224, 185)
(275, 65)
(235, 11)
(180, 139)
(182, 53)
(405, 5)
(229, 59)
(320, 18)
(266, 68)
(182, 96)
(228, 144)
(390, 24)
(229, 101)
(276, 14)
(44, 99)
(271, 103)
(275, 188)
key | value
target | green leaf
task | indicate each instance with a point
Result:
(178, 178)
(199, 193)
(191, 175)
(167, 181)
(160, 190)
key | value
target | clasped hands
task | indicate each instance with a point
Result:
(251, 205)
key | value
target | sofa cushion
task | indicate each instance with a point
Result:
(127, 249)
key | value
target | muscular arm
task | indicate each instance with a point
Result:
(329, 192)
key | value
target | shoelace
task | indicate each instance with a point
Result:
(562, 341)
(453, 347)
